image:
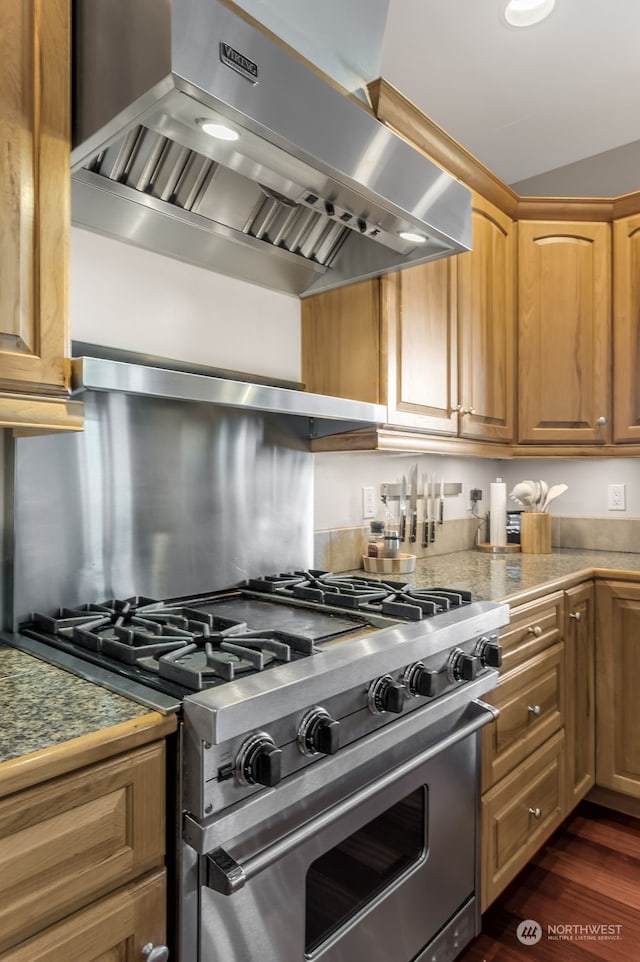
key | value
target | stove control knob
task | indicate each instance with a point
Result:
(461, 666)
(258, 761)
(385, 694)
(419, 680)
(319, 733)
(489, 652)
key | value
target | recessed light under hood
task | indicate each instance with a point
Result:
(313, 193)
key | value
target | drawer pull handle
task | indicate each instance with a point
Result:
(536, 812)
(576, 615)
(535, 630)
(155, 953)
(534, 710)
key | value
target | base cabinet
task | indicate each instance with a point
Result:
(617, 673)
(580, 691)
(82, 875)
(114, 930)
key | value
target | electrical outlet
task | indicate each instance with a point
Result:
(368, 502)
(476, 495)
(617, 498)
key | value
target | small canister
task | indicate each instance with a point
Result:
(375, 548)
(391, 543)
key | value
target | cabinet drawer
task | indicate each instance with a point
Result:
(69, 840)
(519, 814)
(531, 703)
(115, 929)
(533, 627)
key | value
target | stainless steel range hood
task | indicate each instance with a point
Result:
(315, 192)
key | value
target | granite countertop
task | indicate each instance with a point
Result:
(44, 706)
(500, 577)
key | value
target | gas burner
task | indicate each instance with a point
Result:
(413, 604)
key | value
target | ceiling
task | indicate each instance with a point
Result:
(530, 101)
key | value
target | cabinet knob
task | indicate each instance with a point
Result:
(602, 421)
(575, 615)
(155, 953)
(463, 410)
(536, 812)
(534, 710)
(535, 630)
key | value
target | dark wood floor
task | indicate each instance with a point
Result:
(588, 873)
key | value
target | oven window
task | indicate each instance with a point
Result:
(348, 877)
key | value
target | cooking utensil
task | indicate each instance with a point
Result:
(432, 524)
(403, 509)
(425, 512)
(441, 518)
(413, 503)
(524, 492)
(554, 492)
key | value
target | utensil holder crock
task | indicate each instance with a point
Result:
(535, 532)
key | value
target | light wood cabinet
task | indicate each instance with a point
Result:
(580, 691)
(617, 673)
(76, 853)
(34, 216)
(435, 343)
(486, 326)
(564, 336)
(519, 814)
(114, 930)
(531, 700)
(524, 781)
(626, 329)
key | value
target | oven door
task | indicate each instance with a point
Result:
(378, 874)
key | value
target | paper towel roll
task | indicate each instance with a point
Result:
(498, 512)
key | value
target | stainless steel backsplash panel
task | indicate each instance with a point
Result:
(158, 498)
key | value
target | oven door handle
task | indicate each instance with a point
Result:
(226, 876)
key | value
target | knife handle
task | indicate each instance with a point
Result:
(403, 527)
(414, 527)
(432, 533)
(425, 534)
(441, 521)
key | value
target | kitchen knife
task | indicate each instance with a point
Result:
(432, 525)
(425, 512)
(403, 509)
(413, 503)
(441, 518)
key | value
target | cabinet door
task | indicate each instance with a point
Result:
(626, 324)
(418, 312)
(341, 343)
(486, 319)
(580, 693)
(114, 929)
(617, 673)
(564, 272)
(34, 216)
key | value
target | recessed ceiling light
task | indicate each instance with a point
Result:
(524, 13)
(415, 238)
(218, 130)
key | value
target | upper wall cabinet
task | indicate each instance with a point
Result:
(564, 309)
(486, 326)
(434, 342)
(34, 216)
(626, 324)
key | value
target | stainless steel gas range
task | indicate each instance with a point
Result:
(330, 749)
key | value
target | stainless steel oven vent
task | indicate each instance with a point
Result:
(314, 193)
(170, 173)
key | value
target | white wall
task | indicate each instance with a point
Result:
(587, 478)
(340, 477)
(126, 297)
